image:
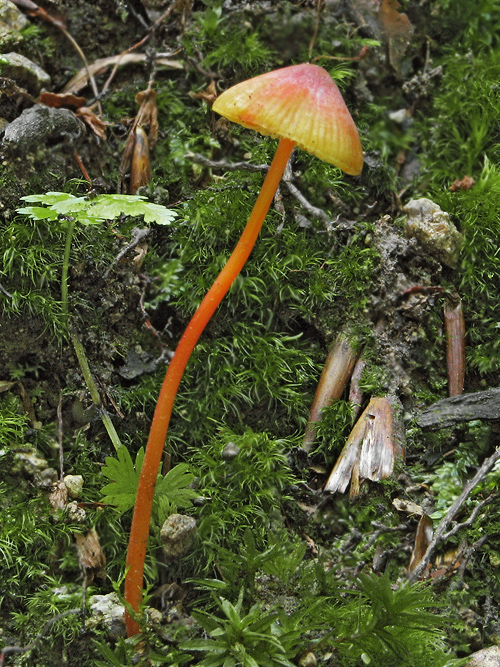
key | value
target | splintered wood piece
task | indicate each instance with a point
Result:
(332, 383)
(372, 447)
(454, 325)
(349, 457)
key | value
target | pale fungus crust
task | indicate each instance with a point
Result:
(301, 103)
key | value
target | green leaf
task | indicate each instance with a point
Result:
(124, 475)
(92, 211)
(125, 478)
(175, 486)
(111, 206)
(38, 212)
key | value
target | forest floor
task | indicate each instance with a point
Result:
(394, 271)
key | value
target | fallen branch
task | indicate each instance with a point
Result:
(441, 533)
(466, 407)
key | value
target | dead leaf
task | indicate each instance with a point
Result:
(422, 540)
(407, 506)
(90, 555)
(397, 29)
(209, 94)
(58, 100)
(97, 126)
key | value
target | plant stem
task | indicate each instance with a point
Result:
(79, 350)
(65, 269)
(144, 501)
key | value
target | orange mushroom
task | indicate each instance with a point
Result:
(303, 106)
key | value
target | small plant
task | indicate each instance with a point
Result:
(68, 210)
(237, 638)
(172, 491)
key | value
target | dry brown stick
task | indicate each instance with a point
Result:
(454, 324)
(441, 533)
(137, 45)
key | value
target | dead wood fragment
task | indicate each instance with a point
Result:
(454, 325)
(441, 534)
(371, 449)
(81, 78)
(483, 405)
(332, 383)
(422, 540)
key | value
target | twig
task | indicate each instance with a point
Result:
(441, 531)
(137, 45)
(22, 649)
(287, 179)
(60, 436)
(382, 528)
(468, 522)
(137, 236)
(223, 164)
(85, 64)
(319, 7)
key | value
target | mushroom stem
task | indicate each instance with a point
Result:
(154, 449)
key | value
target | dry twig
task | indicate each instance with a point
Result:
(441, 533)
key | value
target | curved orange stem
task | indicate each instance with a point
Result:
(139, 531)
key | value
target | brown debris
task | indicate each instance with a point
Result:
(454, 325)
(462, 184)
(333, 381)
(374, 444)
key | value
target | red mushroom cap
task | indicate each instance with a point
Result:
(301, 103)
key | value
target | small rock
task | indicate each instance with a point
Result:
(46, 478)
(12, 20)
(487, 657)
(432, 228)
(230, 451)
(28, 461)
(138, 362)
(177, 535)
(108, 611)
(41, 125)
(24, 72)
(308, 660)
(74, 485)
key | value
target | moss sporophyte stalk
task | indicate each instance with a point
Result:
(302, 106)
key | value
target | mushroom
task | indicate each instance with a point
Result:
(302, 106)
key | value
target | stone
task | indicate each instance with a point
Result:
(108, 611)
(486, 657)
(432, 228)
(24, 72)
(41, 125)
(12, 20)
(74, 485)
(177, 535)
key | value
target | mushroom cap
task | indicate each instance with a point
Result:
(301, 103)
